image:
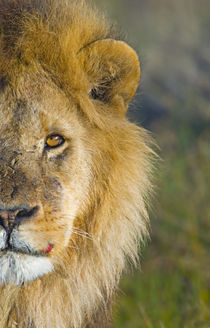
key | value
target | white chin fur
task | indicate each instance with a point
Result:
(18, 269)
(3, 237)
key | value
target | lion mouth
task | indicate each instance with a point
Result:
(11, 243)
(28, 250)
(20, 262)
(47, 250)
(12, 249)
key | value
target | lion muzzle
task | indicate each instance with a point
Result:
(19, 261)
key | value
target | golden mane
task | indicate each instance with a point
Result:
(50, 36)
(49, 33)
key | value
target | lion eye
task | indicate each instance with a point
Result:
(54, 141)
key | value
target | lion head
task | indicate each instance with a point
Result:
(74, 172)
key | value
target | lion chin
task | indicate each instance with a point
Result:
(18, 269)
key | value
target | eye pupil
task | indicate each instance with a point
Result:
(54, 141)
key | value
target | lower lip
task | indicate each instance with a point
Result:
(47, 250)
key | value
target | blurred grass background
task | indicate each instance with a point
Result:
(172, 38)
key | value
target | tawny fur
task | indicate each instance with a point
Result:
(49, 50)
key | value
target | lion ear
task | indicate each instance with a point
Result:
(113, 71)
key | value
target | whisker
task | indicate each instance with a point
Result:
(82, 233)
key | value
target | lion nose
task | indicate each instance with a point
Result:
(11, 217)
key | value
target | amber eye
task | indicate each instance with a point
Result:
(54, 141)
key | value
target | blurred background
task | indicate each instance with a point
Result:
(172, 37)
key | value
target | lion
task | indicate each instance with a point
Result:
(75, 173)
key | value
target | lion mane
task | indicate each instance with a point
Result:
(74, 47)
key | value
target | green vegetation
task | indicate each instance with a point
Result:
(172, 289)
